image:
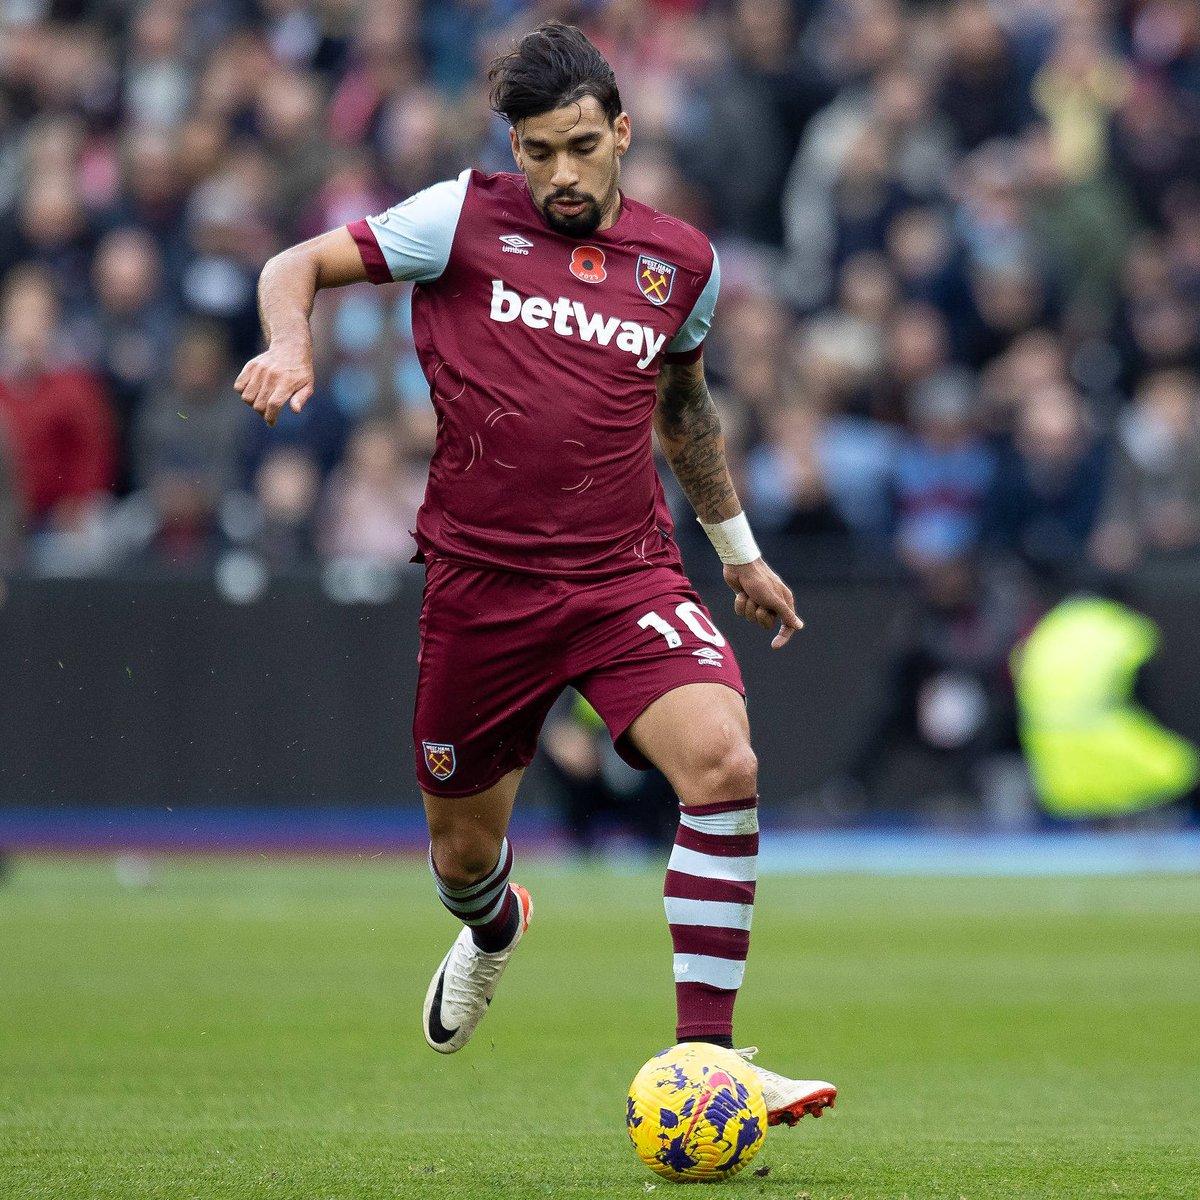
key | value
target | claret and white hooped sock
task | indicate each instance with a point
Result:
(489, 906)
(709, 899)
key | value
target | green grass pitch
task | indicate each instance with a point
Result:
(251, 1028)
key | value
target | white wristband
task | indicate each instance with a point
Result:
(733, 541)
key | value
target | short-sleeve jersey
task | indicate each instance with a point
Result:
(541, 352)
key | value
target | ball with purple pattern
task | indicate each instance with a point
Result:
(695, 1113)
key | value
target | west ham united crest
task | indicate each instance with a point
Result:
(439, 758)
(655, 279)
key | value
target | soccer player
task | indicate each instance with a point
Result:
(559, 323)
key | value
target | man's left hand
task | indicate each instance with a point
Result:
(763, 598)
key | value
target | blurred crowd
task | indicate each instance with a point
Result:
(959, 323)
(960, 241)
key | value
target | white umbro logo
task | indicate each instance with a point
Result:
(708, 656)
(514, 243)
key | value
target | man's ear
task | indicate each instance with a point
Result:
(621, 133)
(515, 142)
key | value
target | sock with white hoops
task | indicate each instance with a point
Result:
(488, 905)
(709, 898)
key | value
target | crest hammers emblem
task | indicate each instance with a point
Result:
(655, 279)
(439, 758)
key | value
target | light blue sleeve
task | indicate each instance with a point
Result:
(415, 235)
(695, 328)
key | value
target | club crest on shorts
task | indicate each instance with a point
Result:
(439, 758)
(587, 263)
(655, 279)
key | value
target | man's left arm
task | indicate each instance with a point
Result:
(689, 431)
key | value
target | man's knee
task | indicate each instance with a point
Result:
(719, 769)
(462, 857)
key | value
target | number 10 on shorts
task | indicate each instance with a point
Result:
(693, 616)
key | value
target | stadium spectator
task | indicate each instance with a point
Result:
(1076, 92)
(153, 189)
(188, 446)
(1156, 328)
(1152, 505)
(286, 490)
(860, 38)
(157, 76)
(766, 86)
(980, 93)
(788, 485)
(875, 146)
(944, 705)
(53, 231)
(372, 498)
(55, 414)
(823, 466)
(923, 253)
(1155, 142)
(230, 234)
(383, 62)
(749, 347)
(942, 473)
(1035, 360)
(917, 345)
(228, 82)
(1079, 227)
(288, 113)
(1043, 501)
(351, 186)
(130, 329)
(1182, 214)
(301, 34)
(866, 196)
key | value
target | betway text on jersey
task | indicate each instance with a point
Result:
(557, 315)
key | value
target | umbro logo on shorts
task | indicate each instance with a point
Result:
(514, 243)
(709, 657)
(439, 758)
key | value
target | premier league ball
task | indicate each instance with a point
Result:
(696, 1113)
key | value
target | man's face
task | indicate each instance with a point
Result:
(571, 160)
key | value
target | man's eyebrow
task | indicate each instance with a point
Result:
(534, 143)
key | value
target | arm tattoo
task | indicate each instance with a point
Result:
(689, 431)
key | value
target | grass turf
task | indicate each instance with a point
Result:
(250, 1029)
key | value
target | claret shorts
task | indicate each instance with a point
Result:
(498, 648)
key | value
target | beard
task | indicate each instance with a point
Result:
(580, 224)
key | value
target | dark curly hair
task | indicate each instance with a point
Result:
(551, 67)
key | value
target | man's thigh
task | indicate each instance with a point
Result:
(641, 650)
(489, 670)
(698, 736)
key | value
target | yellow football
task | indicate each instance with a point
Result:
(696, 1113)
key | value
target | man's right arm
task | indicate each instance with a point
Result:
(283, 372)
(411, 241)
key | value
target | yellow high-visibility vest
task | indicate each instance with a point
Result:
(1092, 751)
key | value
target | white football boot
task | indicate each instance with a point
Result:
(462, 987)
(790, 1099)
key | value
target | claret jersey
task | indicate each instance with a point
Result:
(541, 352)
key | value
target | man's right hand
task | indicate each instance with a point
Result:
(281, 374)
